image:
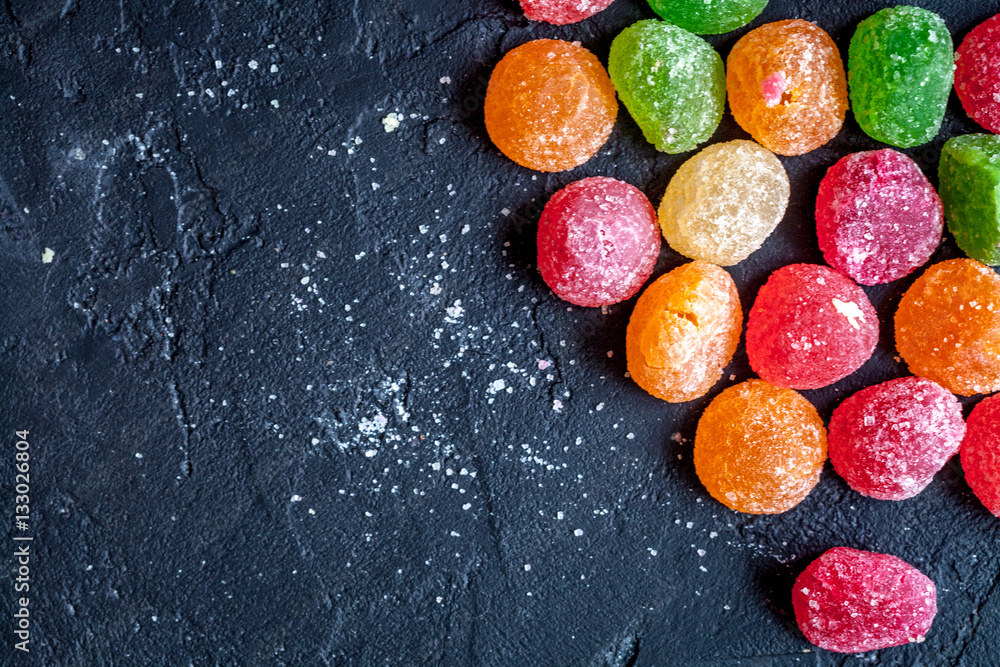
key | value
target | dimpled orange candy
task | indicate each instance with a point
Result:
(948, 327)
(683, 331)
(787, 86)
(550, 105)
(759, 448)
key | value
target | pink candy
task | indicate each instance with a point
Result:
(877, 216)
(561, 12)
(888, 441)
(809, 327)
(851, 601)
(598, 241)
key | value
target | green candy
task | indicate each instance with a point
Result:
(672, 82)
(900, 71)
(708, 18)
(969, 176)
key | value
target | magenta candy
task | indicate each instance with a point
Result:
(977, 74)
(598, 241)
(851, 601)
(877, 216)
(562, 12)
(809, 327)
(888, 441)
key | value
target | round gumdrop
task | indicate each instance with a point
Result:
(708, 18)
(888, 441)
(759, 448)
(787, 86)
(977, 73)
(981, 453)
(809, 327)
(597, 241)
(683, 332)
(550, 105)
(562, 12)
(948, 327)
(877, 216)
(724, 202)
(851, 601)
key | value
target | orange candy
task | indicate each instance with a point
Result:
(550, 105)
(948, 327)
(683, 331)
(759, 448)
(787, 86)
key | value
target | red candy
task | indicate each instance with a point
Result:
(598, 240)
(851, 601)
(809, 327)
(877, 216)
(981, 453)
(561, 12)
(977, 74)
(888, 441)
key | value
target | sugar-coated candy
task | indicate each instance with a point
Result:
(724, 202)
(550, 105)
(809, 327)
(948, 327)
(562, 12)
(672, 82)
(759, 448)
(708, 18)
(597, 241)
(969, 175)
(851, 601)
(977, 73)
(900, 70)
(787, 86)
(981, 453)
(888, 441)
(683, 332)
(878, 218)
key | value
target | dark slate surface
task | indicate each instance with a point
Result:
(235, 466)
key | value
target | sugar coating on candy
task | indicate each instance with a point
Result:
(800, 60)
(724, 202)
(672, 82)
(948, 327)
(597, 241)
(851, 601)
(550, 105)
(708, 18)
(562, 12)
(888, 441)
(759, 448)
(977, 73)
(683, 332)
(969, 175)
(900, 72)
(809, 327)
(878, 218)
(981, 453)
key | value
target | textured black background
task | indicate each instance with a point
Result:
(232, 467)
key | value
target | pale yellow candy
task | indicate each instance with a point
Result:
(724, 202)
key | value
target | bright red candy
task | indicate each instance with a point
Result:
(851, 601)
(877, 216)
(598, 240)
(809, 327)
(561, 12)
(981, 452)
(977, 73)
(888, 441)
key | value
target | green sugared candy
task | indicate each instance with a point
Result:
(708, 18)
(969, 176)
(900, 71)
(672, 82)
